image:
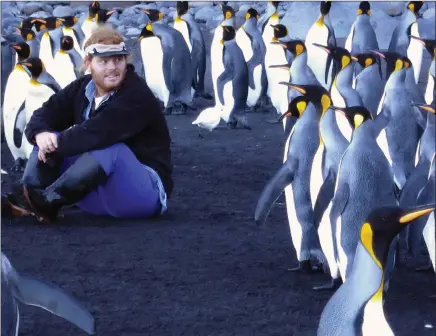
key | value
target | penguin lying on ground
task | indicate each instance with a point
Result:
(33, 292)
(358, 301)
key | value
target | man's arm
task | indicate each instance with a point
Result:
(118, 121)
(56, 114)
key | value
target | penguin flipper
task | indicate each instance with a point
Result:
(225, 76)
(339, 202)
(167, 61)
(325, 195)
(35, 292)
(195, 62)
(381, 120)
(274, 189)
(20, 125)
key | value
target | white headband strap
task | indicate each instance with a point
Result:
(104, 48)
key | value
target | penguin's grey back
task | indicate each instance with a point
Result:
(240, 75)
(364, 37)
(369, 86)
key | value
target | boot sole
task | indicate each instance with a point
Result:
(17, 211)
(39, 216)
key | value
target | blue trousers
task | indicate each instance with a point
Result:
(132, 189)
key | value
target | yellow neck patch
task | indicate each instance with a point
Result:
(33, 81)
(345, 61)
(178, 19)
(320, 21)
(228, 15)
(358, 120)
(299, 49)
(359, 12)
(366, 237)
(368, 62)
(325, 103)
(275, 16)
(275, 39)
(399, 64)
(301, 107)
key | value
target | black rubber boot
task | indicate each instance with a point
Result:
(39, 175)
(72, 186)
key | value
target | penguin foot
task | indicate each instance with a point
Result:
(167, 110)
(333, 285)
(203, 95)
(305, 267)
(19, 165)
(179, 109)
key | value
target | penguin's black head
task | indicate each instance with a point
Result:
(22, 49)
(394, 60)
(296, 108)
(274, 3)
(365, 59)
(252, 13)
(27, 23)
(50, 23)
(340, 55)
(280, 31)
(26, 34)
(228, 12)
(229, 33)
(67, 43)
(325, 7)
(153, 14)
(147, 31)
(430, 45)
(383, 224)
(103, 15)
(40, 24)
(34, 65)
(356, 115)
(316, 94)
(295, 47)
(364, 8)
(182, 7)
(68, 21)
(415, 6)
(93, 9)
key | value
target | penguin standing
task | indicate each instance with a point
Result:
(14, 113)
(175, 91)
(42, 87)
(269, 19)
(90, 23)
(401, 41)
(295, 178)
(189, 28)
(72, 29)
(321, 33)
(369, 84)
(66, 62)
(251, 43)
(216, 49)
(362, 293)
(232, 83)
(362, 35)
(29, 37)
(430, 45)
(33, 292)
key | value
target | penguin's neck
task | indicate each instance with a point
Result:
(250, 25)
(330, 132)
(363, 18)
(299, 65)
(344, 78)
(395, 79)
(363, 133)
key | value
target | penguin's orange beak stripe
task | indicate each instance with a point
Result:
(285, 115)
(414, 215)
(16, 47)
(354, 58)
(29, 65)
(418, 39)
(322, 47)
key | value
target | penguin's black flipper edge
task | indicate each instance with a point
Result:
(224, 78)
(382, 119)
(339, 203)
(19, 126)
(325, 195)
(35, 292)
(274, 189)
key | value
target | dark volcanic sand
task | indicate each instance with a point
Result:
(204, 268)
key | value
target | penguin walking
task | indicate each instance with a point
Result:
(322, 33)
(216, 48)
(72, 28)
(395, 105)
(90, 23)
(269, 19)
(430, 45)
(251, 43)
(19, 288)
(401, 41)
(42, 87)
(189, 28)
(364, 182)
(295, 178)
(362, 35)
(14, 112)
(369, 84)
(66, 62)
(172, 54)
(232, 83)
(362, 293)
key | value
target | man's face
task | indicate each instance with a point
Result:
(108, 72)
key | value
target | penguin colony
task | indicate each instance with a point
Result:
(359, 158)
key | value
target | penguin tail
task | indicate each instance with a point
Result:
(273, 190)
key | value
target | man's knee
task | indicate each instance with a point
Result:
(107, 157)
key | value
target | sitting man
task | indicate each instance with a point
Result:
(102, 142)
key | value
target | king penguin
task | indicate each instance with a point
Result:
(72, 28)
(42, 87)
(29, 37)
(90, 22)
(232, 83)
(251, 43)
(269, 19)
(24, 289)
(176, 64)
(14, 113)
(430, 45)
(294, 178)
(321, 33)
(369, 84)
(189, 28)
(66, 63)
(358, 301)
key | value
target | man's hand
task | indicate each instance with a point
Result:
(47, 142)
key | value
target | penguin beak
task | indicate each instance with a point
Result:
(286, 115)
(39, 20)
(25, 64)
(145, 11)
(61, 19)
(16, 47)
(417, 38)
(425, 107)
(280, 66)
(299, 89)
(18, 30)
(283, 45)
(410, 215)
(378, 53)
(354, 58)
(327, 49)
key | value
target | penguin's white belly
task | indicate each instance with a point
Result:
(229, 101)
(208, 118)
(253, 95)
(374, 320)
(429, 238)
(216, 59)
(316, 179)
(316, 57)
(349, 41)
(70, 32)
(417, 152)
(277, 92)
(182, 27)
(45, 53)
(337, 98)
(414, 51)
(343, 258)
(429, 91)
(152, 57)
(325, 234)
(63, 69)
(268, 32)
(382, 142)
(17, 327)
(244, 43)
(88, 27)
